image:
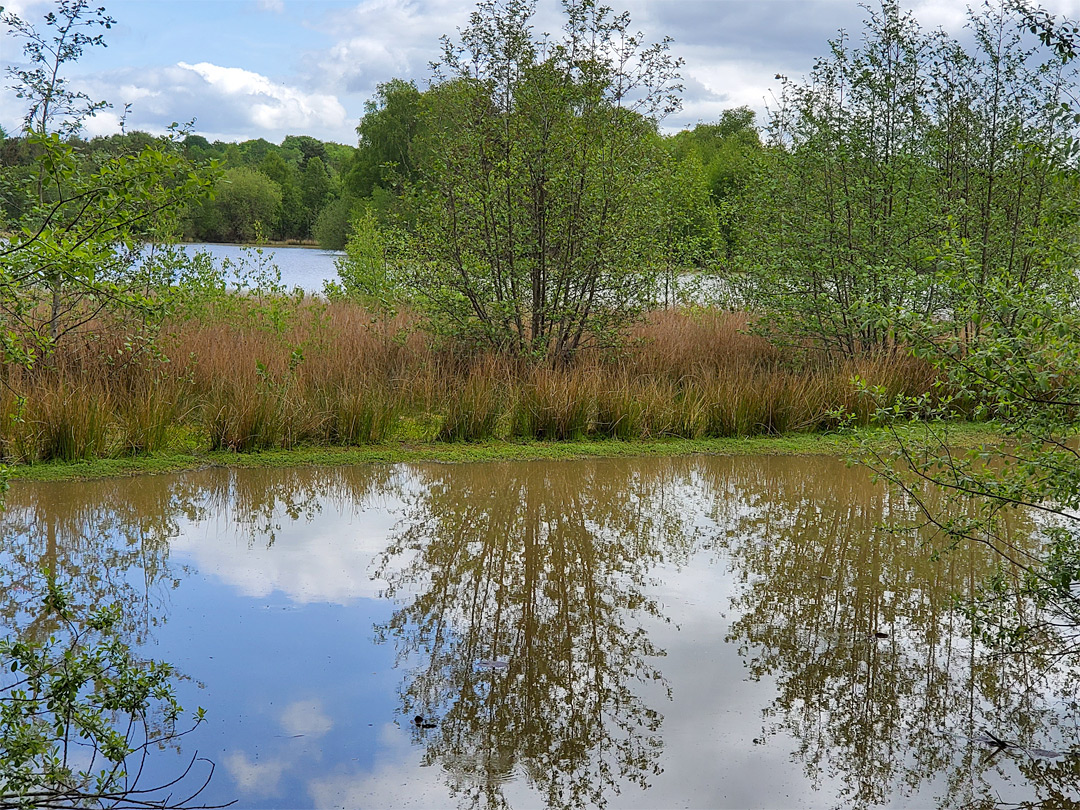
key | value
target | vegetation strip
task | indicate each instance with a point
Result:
(799, 444)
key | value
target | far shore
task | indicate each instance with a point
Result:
(272, 244)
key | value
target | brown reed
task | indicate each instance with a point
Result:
(318, 373)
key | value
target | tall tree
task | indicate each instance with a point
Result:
(1008, 344)
(390, 124)
(539, 166)
(71, 257)
(892, 143)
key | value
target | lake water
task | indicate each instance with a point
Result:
(698, 632)
(302, 267)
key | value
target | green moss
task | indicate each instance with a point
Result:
(834, 444)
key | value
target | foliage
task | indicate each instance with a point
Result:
(51, 99)
(892, 143)
(1020, 365)
(244, 199)
(727, 151)
(364, 272)
(539, 167)
(79, 714)
(392, 120)
(72, 256)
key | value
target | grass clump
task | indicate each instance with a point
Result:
(227, 378)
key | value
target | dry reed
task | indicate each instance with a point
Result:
(335, 374)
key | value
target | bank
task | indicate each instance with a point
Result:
(841, 444)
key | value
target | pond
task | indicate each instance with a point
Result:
(693, 632)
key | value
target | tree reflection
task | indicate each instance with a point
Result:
(878, 676)
(109, 541)
(543, 566)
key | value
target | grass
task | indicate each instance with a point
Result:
(963, 434)
(254, 374)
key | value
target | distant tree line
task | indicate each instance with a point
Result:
(306, 190)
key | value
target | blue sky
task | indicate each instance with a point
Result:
(269, 68)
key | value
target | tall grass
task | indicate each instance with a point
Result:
(335, 374)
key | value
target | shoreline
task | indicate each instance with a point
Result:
(962, 434)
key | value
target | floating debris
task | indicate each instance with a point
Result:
(420, 722)
(487, 663)
(879, 634)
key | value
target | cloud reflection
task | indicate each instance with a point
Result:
(306, 718)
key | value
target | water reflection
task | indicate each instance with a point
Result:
(877, 676)
(108, 540)
(707, 632)
(542, 566)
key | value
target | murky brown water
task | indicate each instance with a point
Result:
(702, 632)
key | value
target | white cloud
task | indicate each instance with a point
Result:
(325, 562)
(270, 106)
(227, 103)
(28, 10)
(274, 6)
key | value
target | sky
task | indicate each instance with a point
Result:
(269, 68)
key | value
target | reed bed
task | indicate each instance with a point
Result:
(336, 374)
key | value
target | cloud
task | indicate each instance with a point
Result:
(270, 106)
(274, 6)
(327, 562)
(227, 103)
(378, 40)
(28, 10)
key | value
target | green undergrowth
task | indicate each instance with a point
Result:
(833, 444)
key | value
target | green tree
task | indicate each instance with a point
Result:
(243, 199)
(540, 164)
(72, 255)
(688, 231)
(364, 273)
(392, 121)
(333, 224)
(891, 143)
(728, 152)
(293, 216)
(84, 691)
(314, 192)
(1008, 350)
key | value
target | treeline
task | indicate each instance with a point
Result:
(295, 191)
(309, 191)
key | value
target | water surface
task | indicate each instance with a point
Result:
(304, 267)
(698, 632)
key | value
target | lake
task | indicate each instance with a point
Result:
(696, 632)
(304, 267)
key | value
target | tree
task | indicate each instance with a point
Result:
(539, 166)
(50, 98)
(332, 226)
(892, 143)
(244, 199)
(314, 191)
(71, 256)
(1009, 351)
(391, 123)
(364, 272)
(728, 151)
(293, 216)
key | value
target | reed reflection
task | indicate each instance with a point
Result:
(877, 674)
(542, 566)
